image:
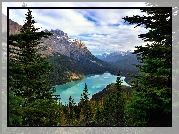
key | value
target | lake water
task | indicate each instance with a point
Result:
(95, 83)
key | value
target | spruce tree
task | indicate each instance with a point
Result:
(153, 87)
(29, 75)
(113, 106)
(15, 110)
(104, 113)
(120, 101)
(118, 87)
(86, 111)
(98, 115)
(71, 114)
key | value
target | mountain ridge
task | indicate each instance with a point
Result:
(123, 60)
(114, 56)
(78, 62)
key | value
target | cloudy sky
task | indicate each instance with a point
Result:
(102, 30)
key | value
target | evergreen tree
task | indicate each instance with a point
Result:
(118, 85)
(98, 115)
(86, 113)
(28, 75)
(66, 110)
(15, 110)
(108, 113)
(71, 117)
(120, 101)
(151, 101)
(113, 107)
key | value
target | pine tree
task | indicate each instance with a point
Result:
(153, 87)
(104, 114)
(71, 117)
(28, 75)
(112, 113)
(118, 85)
(86, 111)
(120, 102)
(15, 110)
(98, 115)
(175, 56)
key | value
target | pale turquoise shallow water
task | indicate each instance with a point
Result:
(95, 83)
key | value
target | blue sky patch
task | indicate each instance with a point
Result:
(90, 19)
(113, 25)
(100, 30)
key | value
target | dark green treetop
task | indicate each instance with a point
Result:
(28, 75)
(153, 87)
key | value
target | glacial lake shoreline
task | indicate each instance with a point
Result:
(95, 83)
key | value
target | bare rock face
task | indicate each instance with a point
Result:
(14, 27)
(59, 42)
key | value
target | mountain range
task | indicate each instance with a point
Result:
(71, 58)
(102, 56)
(117, 55)
(123, 60)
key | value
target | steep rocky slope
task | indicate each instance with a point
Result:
(14, 27)
(61, 43)
(71, 58)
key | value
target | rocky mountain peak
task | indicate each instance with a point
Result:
(59, 42)
(58, 32)
(63, 44)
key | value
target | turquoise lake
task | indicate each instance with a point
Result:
(95, 83)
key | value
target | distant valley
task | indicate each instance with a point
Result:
(72, 59)
(115, 56)
(122, 60)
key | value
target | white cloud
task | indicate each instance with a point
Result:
(75, 22)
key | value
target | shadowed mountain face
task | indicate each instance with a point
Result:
(59, 42)
(122, 60)
(78, 59)
(76, 50)
(69, 57)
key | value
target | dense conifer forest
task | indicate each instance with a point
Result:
(146, 103)
(66, 66)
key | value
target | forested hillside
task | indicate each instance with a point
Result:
(125, 61)
(66, 67)
(146, 103)
(101, 95)
(71, 58)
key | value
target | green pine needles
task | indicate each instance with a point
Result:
(151, 102)
(146, 103)
(28, 77)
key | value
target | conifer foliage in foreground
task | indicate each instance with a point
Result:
(30, 94)
(151, 103)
